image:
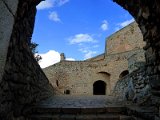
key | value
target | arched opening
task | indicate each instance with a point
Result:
(123, 74)
(99, 88)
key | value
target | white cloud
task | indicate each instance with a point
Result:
(84, 49)
(61, 2)
(45, 4)
(89, 54)
(104, 25)
(50, 4)
(49, 58)
(95, 46)
(54, 16)
(81, 38)
(125, 23)
(86, 43)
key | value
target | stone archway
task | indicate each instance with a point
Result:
(99, 88)
(21, 78)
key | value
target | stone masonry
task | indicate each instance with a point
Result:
(78, 77)
(22, 82)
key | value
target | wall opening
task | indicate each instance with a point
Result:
(57, 83)
(99, 88)
(67, 92)
(123, 74)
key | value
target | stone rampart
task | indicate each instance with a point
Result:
(126, 39)
(79, 76)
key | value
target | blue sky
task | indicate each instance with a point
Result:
(78, 28)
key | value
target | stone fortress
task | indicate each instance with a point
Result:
(98, 75)
(25, 90)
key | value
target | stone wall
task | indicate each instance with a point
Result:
(97, 58)
(23, 82)
(6, 26)
(136, 61)
(79, 76)
(134, 87)
(121, 87)
(126, 39)
(146, 14)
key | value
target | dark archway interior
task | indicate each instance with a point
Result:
(99, 88)
(124, 73)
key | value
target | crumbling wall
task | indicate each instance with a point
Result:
(23, 82)
(134, 87)
(136, 61)
(79, 76)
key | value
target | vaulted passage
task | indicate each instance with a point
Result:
(99, 88)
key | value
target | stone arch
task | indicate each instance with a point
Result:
(105, 76)
(145, 12)
(99, 88)
(105, 73)
(123, 74)
(22, 82)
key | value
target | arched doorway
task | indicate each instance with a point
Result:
(99, 88)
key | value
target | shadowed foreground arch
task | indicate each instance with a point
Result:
(22, 82)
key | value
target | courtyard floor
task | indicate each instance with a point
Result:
(79, 101)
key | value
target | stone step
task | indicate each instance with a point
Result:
(147, 113)
(83, 113)
(76, 110)
(82, 117)
(156, 92)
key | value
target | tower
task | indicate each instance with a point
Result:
(62, 55)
